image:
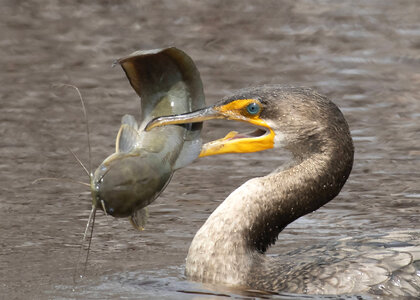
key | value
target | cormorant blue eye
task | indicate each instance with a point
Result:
(253, 108)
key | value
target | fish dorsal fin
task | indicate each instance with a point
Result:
(128, 134)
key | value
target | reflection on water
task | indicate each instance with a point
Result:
(169, 284)
(364, 55)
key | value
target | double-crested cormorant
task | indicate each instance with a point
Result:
(229, 248)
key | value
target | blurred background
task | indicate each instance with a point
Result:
(365, 55)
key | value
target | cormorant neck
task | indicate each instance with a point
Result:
(242, 228)
(311, 181)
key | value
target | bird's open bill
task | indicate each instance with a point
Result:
(245, 110)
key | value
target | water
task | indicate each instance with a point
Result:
(363, 55)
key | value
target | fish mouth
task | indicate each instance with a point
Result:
(260, 139)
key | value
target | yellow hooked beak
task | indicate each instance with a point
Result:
(260, 139)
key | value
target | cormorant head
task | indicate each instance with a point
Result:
(294, 118)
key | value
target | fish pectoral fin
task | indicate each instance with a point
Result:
(128, 134)
(130, 121)
(139, 218)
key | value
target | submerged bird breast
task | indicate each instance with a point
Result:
(386, 264)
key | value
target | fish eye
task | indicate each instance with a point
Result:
(253, 108)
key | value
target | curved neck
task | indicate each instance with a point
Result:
(301, 189)
(250, 219)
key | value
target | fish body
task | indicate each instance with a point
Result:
(128, 180)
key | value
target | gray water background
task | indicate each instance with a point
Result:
(365, 55)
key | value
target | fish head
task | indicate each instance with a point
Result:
(126, 182)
